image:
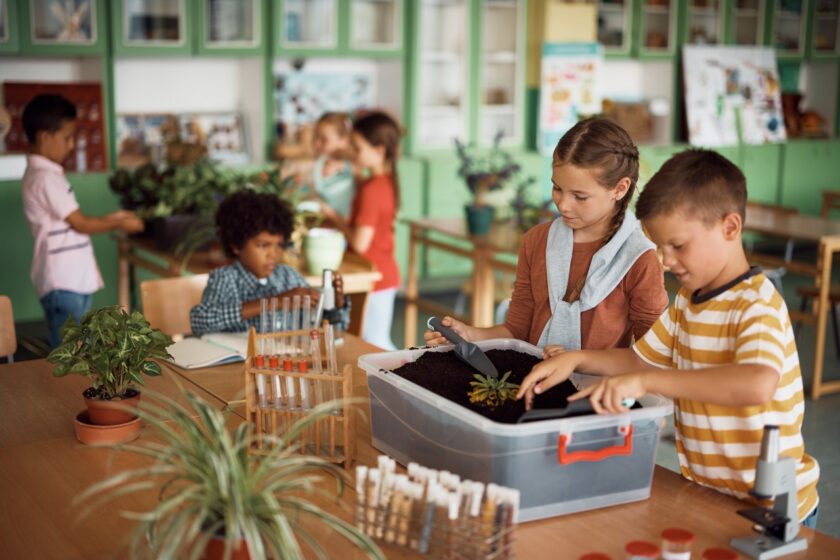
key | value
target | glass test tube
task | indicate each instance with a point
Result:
(293, 351)
(332, 367)
(259, 360)
(274, 359)
(284, 344)
(303, 366)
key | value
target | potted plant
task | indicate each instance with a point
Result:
(114, 349)
(484, 173)
(218, 499)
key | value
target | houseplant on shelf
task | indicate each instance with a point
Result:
(218, 499)
(114, 349)
(485, 172)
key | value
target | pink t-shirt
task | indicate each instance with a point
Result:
(63, 258)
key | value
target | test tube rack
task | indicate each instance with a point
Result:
(294, 396)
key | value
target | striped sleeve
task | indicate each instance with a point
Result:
(760, 337)
(656, 347)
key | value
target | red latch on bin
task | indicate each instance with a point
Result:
(566, 457)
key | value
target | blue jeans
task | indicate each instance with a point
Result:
(58, 304)
(811, 520)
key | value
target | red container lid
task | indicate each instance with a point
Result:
(642, 549)
(719, 554)
(594, 556)
(676, 535)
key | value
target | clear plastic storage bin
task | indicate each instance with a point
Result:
(560, 466)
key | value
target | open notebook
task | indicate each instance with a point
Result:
(210, 350)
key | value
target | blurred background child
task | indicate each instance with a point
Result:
(332, 173)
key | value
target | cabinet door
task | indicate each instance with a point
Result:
(230, 27)
(308, 26)
(703, 22)
(9, 40)
(376, 26)
(440, 94)
(71, 27)
(788, 28)
(147, 27)
(825, 29)
(615, 18)
(657, 28)
(746, 22)
(500, 96)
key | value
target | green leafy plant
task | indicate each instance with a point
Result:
(113, 348)
(210, 485)
(488, 170)
(492, 391)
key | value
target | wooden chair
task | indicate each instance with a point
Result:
(167, 302)
(771, 269)
(808, 293)
(8, 339)
(830, 201)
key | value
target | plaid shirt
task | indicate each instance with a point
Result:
(230, 286)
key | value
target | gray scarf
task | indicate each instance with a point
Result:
(609, 265)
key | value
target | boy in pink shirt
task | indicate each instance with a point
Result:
(64, 269)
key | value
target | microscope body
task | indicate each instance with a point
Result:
(774, 477)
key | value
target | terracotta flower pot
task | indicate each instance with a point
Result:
(113, 412)
(216, 550)
(92, 434)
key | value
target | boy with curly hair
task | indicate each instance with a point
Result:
(724, 351)
(255, 230)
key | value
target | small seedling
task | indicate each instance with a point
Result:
(492, 391)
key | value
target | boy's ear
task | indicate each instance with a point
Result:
(621, 188)
(732, 226)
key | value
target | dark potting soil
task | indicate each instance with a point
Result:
(92, 393)
(445, 374)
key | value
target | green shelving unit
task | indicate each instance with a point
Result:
(824, 36)
(9, 27)
(77, 28)
(229, 27)
(788, 28)
(655, 36)
(149, 28)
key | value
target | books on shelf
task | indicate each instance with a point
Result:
(211, 349)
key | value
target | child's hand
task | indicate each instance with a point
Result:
(338, 284)
(552, 350)
(313, 294)
(544, 376)
(606, 396)
(434, 338)
(129, 222)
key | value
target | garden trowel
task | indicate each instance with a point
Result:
(467, 351)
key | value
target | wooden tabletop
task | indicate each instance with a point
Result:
(40, 476)
(790, 225)
(503, 237)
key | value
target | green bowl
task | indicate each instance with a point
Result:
(323, 248)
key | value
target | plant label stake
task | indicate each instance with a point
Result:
(467, 351)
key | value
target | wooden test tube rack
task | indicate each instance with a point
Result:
(332, 436)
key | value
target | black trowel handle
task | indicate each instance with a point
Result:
(574, 408)
(450, 335)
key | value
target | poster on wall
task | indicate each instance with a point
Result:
(732, 95)
(301, 97)
(569, 89)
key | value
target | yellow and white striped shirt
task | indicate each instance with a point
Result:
(745, 322)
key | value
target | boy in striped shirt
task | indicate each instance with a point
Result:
(724, 351)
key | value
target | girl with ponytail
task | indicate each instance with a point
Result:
(590, 279)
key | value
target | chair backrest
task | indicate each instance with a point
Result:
(167, 302)
(8, 339)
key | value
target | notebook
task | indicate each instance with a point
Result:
(211, 349)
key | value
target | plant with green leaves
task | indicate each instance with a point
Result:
(111, 347)
(211, 485)
(492, 391)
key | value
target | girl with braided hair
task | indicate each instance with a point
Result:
(590, 279)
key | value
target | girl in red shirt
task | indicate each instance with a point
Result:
(376, 141)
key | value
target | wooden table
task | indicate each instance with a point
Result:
(358, 273)
(826, 233)
(40, 476)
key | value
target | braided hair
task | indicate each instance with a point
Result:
(601, 145)
(380, 129)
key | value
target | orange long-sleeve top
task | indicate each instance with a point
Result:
(624, 315)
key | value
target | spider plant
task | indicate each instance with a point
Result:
(492, 391)
(209, 484)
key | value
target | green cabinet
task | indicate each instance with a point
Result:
(368, 28)
(703, 22)
(9, 26)
(615, 25)
(787, 32)
(465, 73)
(152, 27)
(745, 22)
(656, 32)
(229, 27)
(824, 36)
(72, 27)
(808, 168)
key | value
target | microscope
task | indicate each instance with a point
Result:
(774, 476)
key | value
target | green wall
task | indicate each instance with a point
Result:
(94, 198)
